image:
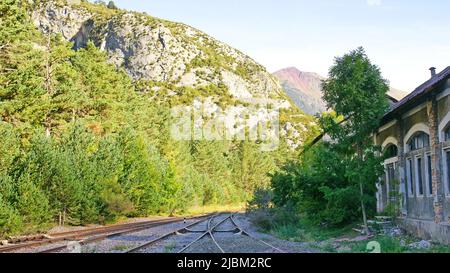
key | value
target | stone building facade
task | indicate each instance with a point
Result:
(415, 137)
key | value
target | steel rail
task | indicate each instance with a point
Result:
(77, 236)
(174, 232)
(236, 230)
(209, 232)
(106, 236)
(80, 234)
(243, 232)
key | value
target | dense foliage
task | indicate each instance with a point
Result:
(335, 182)
(80, 139)
(322, 186)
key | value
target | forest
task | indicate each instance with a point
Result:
(81, 140)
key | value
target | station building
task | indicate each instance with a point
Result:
(415, 137)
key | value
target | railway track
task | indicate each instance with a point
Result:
(209, 232)
(90, 235)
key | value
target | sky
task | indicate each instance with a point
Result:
(404, 38)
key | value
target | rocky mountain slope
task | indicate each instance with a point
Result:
(158, 50)
(304, 88)
(175, 62)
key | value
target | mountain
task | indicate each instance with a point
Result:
(91, 129)
(158, 50)
(173, 61)
(304, 88)
(397, 94)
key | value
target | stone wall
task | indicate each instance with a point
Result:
(427, 230)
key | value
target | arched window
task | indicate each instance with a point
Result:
(391, 151)
(447, 134)
(419, 141)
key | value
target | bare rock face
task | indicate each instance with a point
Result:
(304, 88)
(56, 18)
(158, 50)
(168, 54)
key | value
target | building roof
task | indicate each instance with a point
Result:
(391, 98)
(417, 94)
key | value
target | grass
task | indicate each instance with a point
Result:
(194, 211)
(120, 248)
(305, 232)
(309, 233)
(214, 208)
(394, 245)
(170, 247)
(299, 229)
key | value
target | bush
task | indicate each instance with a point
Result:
(32, 204)
(10, 220)
(262, 199)
(320, 186)
(111, 5)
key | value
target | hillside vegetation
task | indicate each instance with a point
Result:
(81, 138)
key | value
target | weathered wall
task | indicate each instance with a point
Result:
(443, 111)
(419, 117)
(428, 216)
(427, 230)
(389, 132)
(420, 207)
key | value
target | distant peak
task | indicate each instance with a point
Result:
(295, 71)
(289, 70)
(292, 68)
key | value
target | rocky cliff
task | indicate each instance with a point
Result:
(304, 88)
(173, 61)
(158, 50)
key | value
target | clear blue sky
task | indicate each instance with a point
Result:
(403, 37)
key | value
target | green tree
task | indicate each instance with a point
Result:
(356, 90)
(10, 221)
(111, 5)
(140, 178)
(9, 146)
(32, 203)
(253, 167)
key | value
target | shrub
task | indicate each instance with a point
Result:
(320, 186)
(10, 220)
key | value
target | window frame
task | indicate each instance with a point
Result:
(447, 133)
(446, 156)
(388, 149)
(418, 173)
(409, 177)
(419, 136)
(429, 174)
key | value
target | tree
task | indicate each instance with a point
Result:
(253, 167)
(10, 221)
(355, 89)
(100, 2)
(9, 146)
(112, 5)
